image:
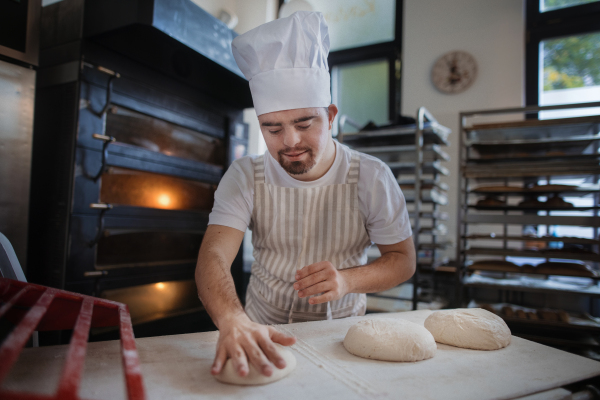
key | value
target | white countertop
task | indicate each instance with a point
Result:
(178, 367)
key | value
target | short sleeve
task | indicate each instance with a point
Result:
(234, 198)
(385, 212)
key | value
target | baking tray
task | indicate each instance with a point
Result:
(406, 184)
(434, 167)
(530, 170)
(574, 240)
(535, 157)
(437, 215)
(408, 153)
(427, 196)
(539, 190)
(522, 148)
(535, 129)
(547, 253)
(433, 133)
(522, 208)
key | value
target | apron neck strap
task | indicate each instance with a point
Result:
(354, 168)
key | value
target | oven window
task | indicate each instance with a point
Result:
(137, 129)
(121, 249)
(158, 300)
(145, 189)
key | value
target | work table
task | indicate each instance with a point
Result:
(178, 367)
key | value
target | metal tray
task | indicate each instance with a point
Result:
(540, 191)
(525, 148)
(568, 239)
(428, 196)
(407, 153)
(547, 253)
(535, 129)
(433, 133)
(434, 167)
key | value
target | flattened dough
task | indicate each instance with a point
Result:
(254, 377)
(390, 340)
(470, 328)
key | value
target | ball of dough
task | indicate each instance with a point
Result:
(254, 377)
(471, 328)
(390, 340)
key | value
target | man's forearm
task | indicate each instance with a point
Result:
(213, 277)
(217, 290)
(386, 272)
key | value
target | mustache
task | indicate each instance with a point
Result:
(294, 150)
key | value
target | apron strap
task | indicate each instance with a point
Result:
(354, 168)
(259, 169)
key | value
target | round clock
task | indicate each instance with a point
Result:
(454, 72)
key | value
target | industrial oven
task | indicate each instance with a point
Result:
(138, 114)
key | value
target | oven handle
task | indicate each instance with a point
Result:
(112, 75)
(103, 207)
(107, 140)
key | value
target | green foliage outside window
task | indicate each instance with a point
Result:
(548, 5)
(571, 62)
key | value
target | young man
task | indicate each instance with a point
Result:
(314, 206)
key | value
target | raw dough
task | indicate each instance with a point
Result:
(229, 375)
(471, 328)
(390, 340)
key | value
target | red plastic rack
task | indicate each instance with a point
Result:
(31, 307)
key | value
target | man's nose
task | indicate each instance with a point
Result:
(291, 137)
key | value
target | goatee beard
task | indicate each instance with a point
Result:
(297, 167)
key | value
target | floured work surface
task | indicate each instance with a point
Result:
(178, 367)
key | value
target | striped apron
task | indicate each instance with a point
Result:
(296, 227)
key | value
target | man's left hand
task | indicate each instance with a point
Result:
(321, 277)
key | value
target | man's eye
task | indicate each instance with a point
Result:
(303, 127)
(275, 132)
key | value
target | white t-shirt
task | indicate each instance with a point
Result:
(381, 201)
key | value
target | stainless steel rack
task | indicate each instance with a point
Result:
(415, 155)
(505, 162)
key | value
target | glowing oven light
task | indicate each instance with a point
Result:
(160, 286)
(164, 200)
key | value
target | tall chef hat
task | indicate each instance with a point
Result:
(286, 62)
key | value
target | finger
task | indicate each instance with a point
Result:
(324, 298)
(220, 359)
(239, 360)
(258, 359)
(313, 279)
(311, 269)
(271, 352)
(321, 287)
(282, 338)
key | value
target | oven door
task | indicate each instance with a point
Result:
(124, 248)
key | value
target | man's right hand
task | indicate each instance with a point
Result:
(243, 340)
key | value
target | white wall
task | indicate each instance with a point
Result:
(493, 32)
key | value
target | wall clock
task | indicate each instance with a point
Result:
(454, 72)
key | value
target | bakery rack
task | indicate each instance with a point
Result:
(26, 307)
(415, 155)
(515, 175)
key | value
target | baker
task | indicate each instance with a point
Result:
(314, 206)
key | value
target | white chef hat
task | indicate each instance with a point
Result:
(286, 62)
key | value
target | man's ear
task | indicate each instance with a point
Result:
(333, 110)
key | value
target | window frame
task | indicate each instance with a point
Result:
(391, 51)
(540, 26)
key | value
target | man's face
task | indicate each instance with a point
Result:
(300, 138)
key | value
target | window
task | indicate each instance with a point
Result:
(361, 91)
(563, 55)
(549, 5)
(364, 58)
